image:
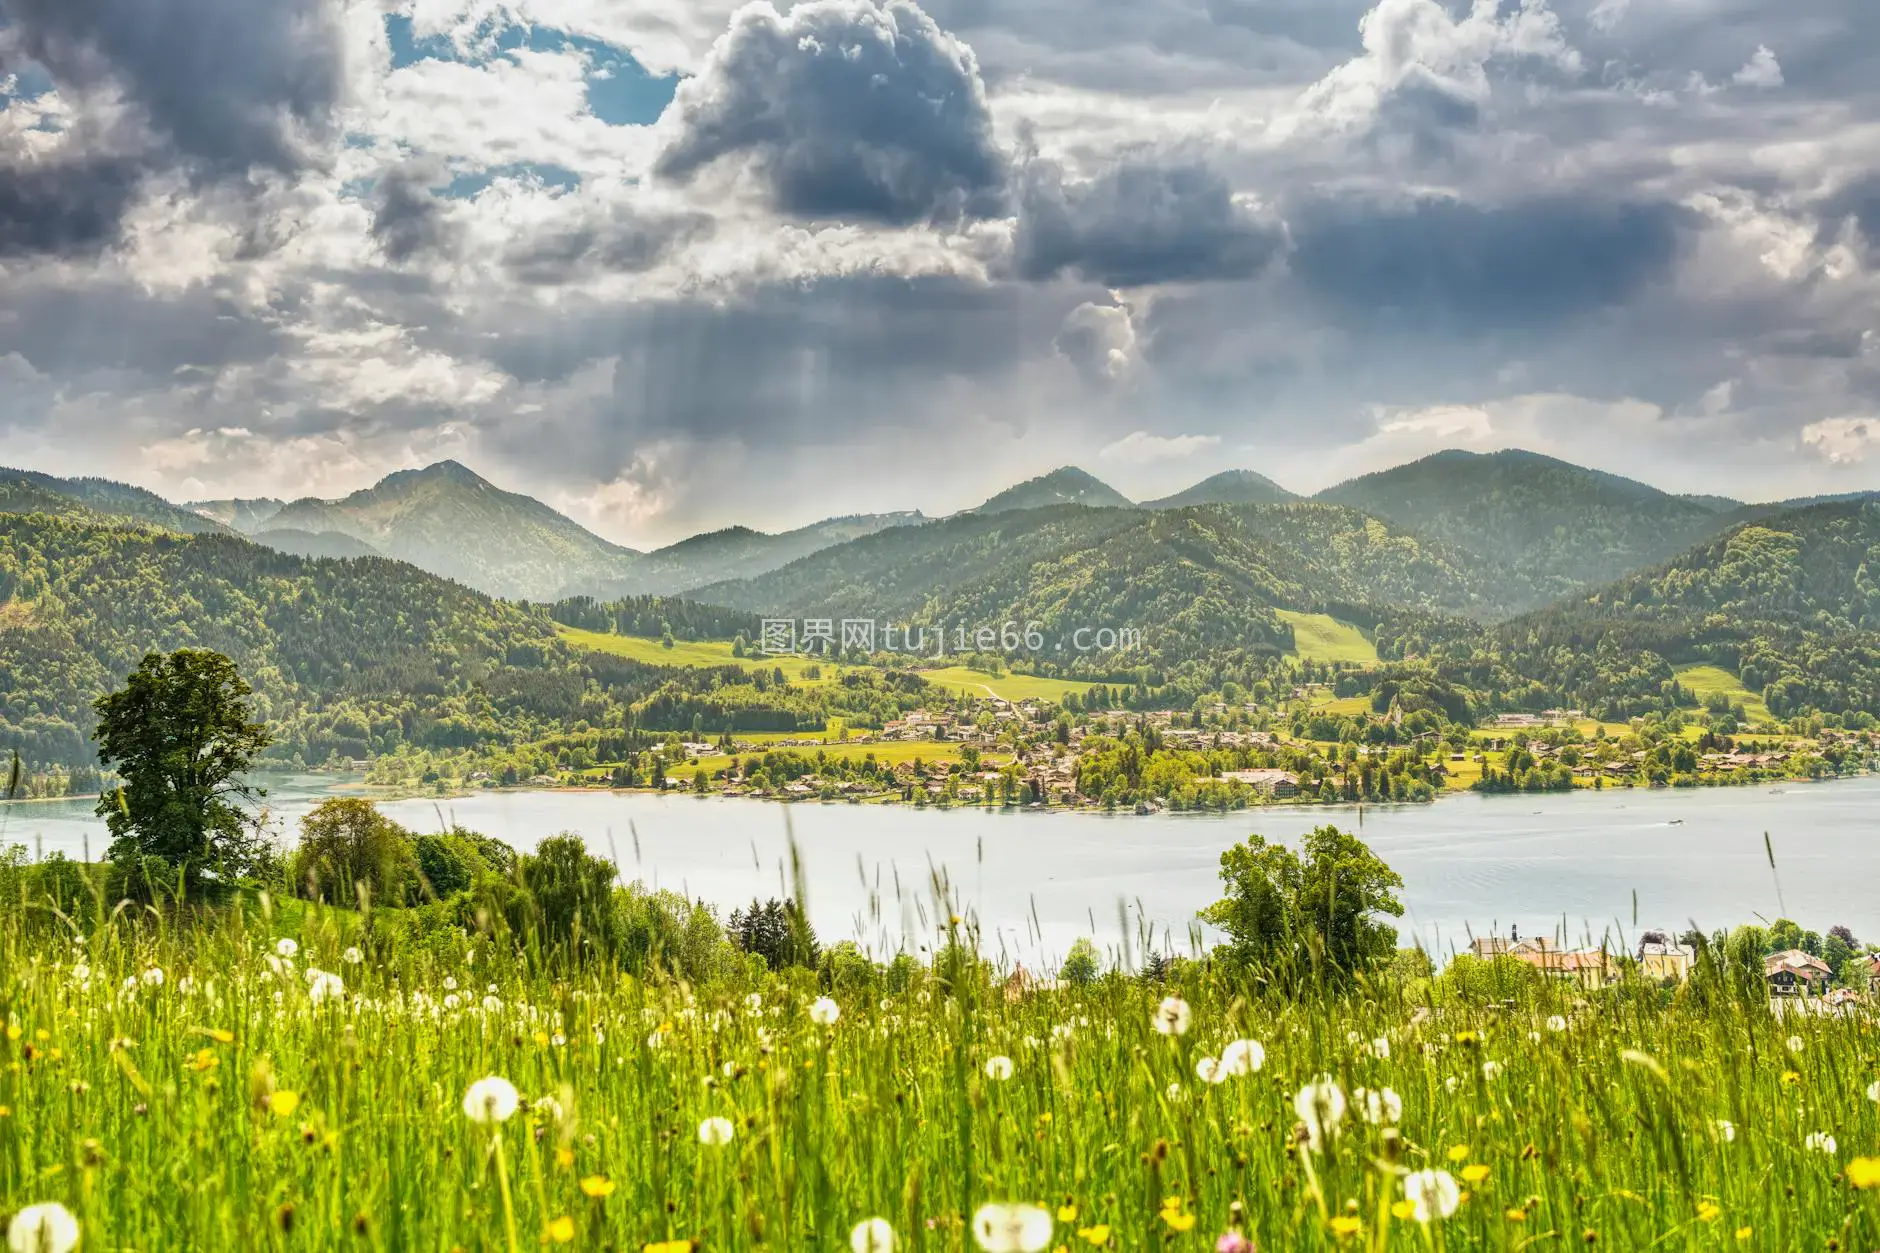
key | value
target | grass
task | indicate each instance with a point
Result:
(224, 1106)
(1321, 637)
(691, 653)
(1704, 682)
(1009, 687)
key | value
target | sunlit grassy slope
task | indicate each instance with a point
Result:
(700, 653)
(1707, 681)
(1321, 637)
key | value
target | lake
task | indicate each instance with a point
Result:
(1567, 865)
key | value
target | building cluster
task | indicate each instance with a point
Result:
(1791, 973)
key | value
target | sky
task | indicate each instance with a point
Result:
(672, 265)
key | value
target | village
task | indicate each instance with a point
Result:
(1796, 979)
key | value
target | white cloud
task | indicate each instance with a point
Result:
(1762, 70)
(1842, 441)
(1140, 446)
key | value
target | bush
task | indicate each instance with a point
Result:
(349, 852)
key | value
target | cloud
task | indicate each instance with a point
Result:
(845, 109)
(1140, 221)
(1842, 441)
(213, 89)
(1141, 446)
(1099, 341)
(63, 207)
(588, 232)
(408, 219)
(1440, 264)
(1762, 70)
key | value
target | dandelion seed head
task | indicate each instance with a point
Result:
(44, 1228)
(716, 1132)
(491, 1100)
(999, 1068)
(872, 1235)
(1172, 1016)
(824, 1012)
(1433, 1194)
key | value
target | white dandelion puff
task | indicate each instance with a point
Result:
(1726, 1130)
(287, 946)
(1242, 1057)
(352, 956)
(1433, 1194)
(491, 1100)
(1820, 1142)
(1012, 1228)
(716, 1132)
(872, 1235)
(999, 1068)
(824, 1012)
(1321, 1107)
(1172, 1016)
(1382, 1106)
(45, 1228)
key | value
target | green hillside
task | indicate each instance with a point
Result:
(1195, 582)
(27, 491)
(1561, 528)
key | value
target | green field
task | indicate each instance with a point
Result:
(893, 753)
(1321, 637)
(1011, 687)
(1707, 681)
(199, 1082)
(699, 653)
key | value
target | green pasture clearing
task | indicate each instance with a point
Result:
(691, 653)
(1321, 637)
(1704, 682)
(1009, 687)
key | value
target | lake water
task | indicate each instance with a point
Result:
(1568, 865)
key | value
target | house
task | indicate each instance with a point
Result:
(1666, 961)
(1280, 784)
(1795, 973)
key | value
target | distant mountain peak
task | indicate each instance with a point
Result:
(1066, 485)
(447, 470)
(1230, 487)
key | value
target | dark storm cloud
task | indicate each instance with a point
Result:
(1144, 220)
(63, 207)
(1443, 265)
(846, 109)
(231, 84)
(218, 89)
(408, 218)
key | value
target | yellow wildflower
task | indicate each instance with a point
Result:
(1708, 1211)
(1468, 1037)
(1347, 1225)
(541, 1039)
(1514, 1215)
(1744, 1233)
(1067, 1213)
(564, 1157)
(561, 1230)
(283, 1103)
(1475, 1173)
(1864, 1172)
(600, 1187)
(667, 1246)
(1460, 1153)
(205, 1059)
(1099, 1234)
(219, 1035)
(13, 1031)
(1404, 1211)
(1791, 1077)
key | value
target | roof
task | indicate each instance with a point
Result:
(1797, 962)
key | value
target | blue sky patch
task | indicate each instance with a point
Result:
(470, 184)
(25, 81)
(620, 91)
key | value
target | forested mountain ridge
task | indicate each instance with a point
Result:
(28, 491)
(1191, 579)
(243, 516)
(447, 519)
(740, 553)
(342, 653)
(1560, 526)
(1789, 604)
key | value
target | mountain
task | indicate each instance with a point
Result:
(448, 520)
(1191, 580)
(1560, 526)
(1789, 603)
(314, 543)
(243, 516)
(1068, 486)
(741, 553)
(28, 491)
(348, 657)
(1233, 487)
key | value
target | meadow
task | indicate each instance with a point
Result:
(291, 1077)
(1321, 637)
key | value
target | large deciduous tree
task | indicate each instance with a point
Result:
(181, 734)
(1307, 915)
